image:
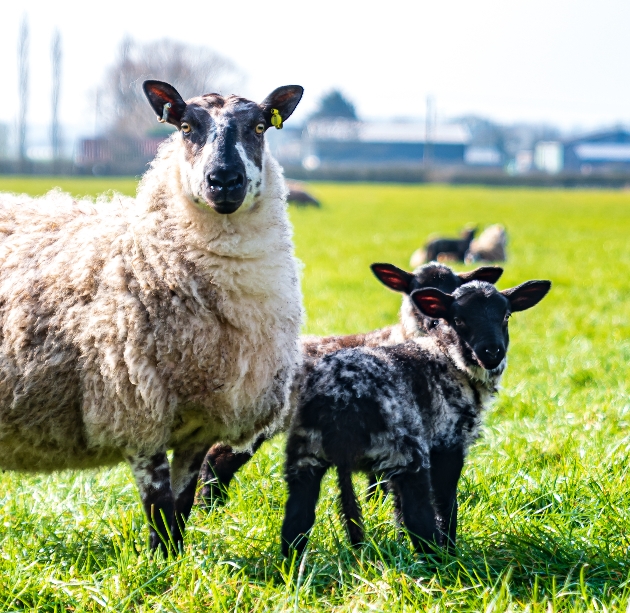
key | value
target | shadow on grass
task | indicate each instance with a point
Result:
(533, 566)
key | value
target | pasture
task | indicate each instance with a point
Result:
(544, 497)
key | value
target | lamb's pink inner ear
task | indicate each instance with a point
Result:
(430, 303)
(392, 277)
(527, 295)
(430, 306)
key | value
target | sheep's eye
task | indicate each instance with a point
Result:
(260, 128)
(186, 128)
(457, 321)
(507, 316)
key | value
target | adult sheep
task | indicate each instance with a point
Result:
(168, 321)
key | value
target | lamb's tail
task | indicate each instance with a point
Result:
(349, 506)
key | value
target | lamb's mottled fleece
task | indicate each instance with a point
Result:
(132, 325)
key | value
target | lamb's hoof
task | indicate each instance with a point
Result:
(212, 495)
(165, 548)
(295, 548)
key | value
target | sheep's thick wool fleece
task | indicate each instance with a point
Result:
(137, 324)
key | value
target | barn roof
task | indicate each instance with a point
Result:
(387, 132)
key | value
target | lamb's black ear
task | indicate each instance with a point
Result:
(432, 302)
(160, 94)
(526, 295)
(489, 274)
(284, 100)
(393, 277)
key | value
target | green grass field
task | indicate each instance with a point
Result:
(545, 494)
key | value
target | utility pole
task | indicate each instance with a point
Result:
(23, 91)
(55, 135)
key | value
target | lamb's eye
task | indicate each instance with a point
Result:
(186, 128)
(457, 321)
(507, 316)
(260, 128)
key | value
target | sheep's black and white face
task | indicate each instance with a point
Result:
(474, 318)
(223, 141)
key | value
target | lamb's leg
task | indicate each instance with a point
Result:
(414, 492)
(350, 506)
(152, 475)
(218, 469)
(299, 512)
(446, 468)
(185, 473)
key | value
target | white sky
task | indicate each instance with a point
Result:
(561, 61)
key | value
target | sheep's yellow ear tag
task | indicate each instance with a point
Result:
(276, 119)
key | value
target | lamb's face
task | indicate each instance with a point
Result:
(479, 315)
(222, 141)
(473, 321)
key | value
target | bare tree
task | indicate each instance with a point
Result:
(23, 88)
(190, 69)
(55, 135)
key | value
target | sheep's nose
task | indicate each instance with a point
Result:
(222, 181)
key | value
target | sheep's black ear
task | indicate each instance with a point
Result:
(284, 100)
(432, 302)
(159, 94)
(394, 278)
(489, 274)
(526, 295)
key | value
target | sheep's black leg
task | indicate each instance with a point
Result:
(184, 475)
(414, 491)
(350, 507)
(152, 475)
(299, 512)
(218, 468)
(446, 468)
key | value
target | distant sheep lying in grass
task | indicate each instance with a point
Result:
(409, 411)
(299, 196)
(169, 321)
(489, 246)
(223, 461)
(444, 249)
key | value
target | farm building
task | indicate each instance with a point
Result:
(383, 143)
(603, 151)
(347, 143)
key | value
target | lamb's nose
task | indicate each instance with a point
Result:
(492, 352)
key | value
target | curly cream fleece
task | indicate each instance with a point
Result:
(132, 325)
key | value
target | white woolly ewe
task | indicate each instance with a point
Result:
(130, 325)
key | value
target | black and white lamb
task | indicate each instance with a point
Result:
(222, 461)
(408, 411)
(168, 321)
